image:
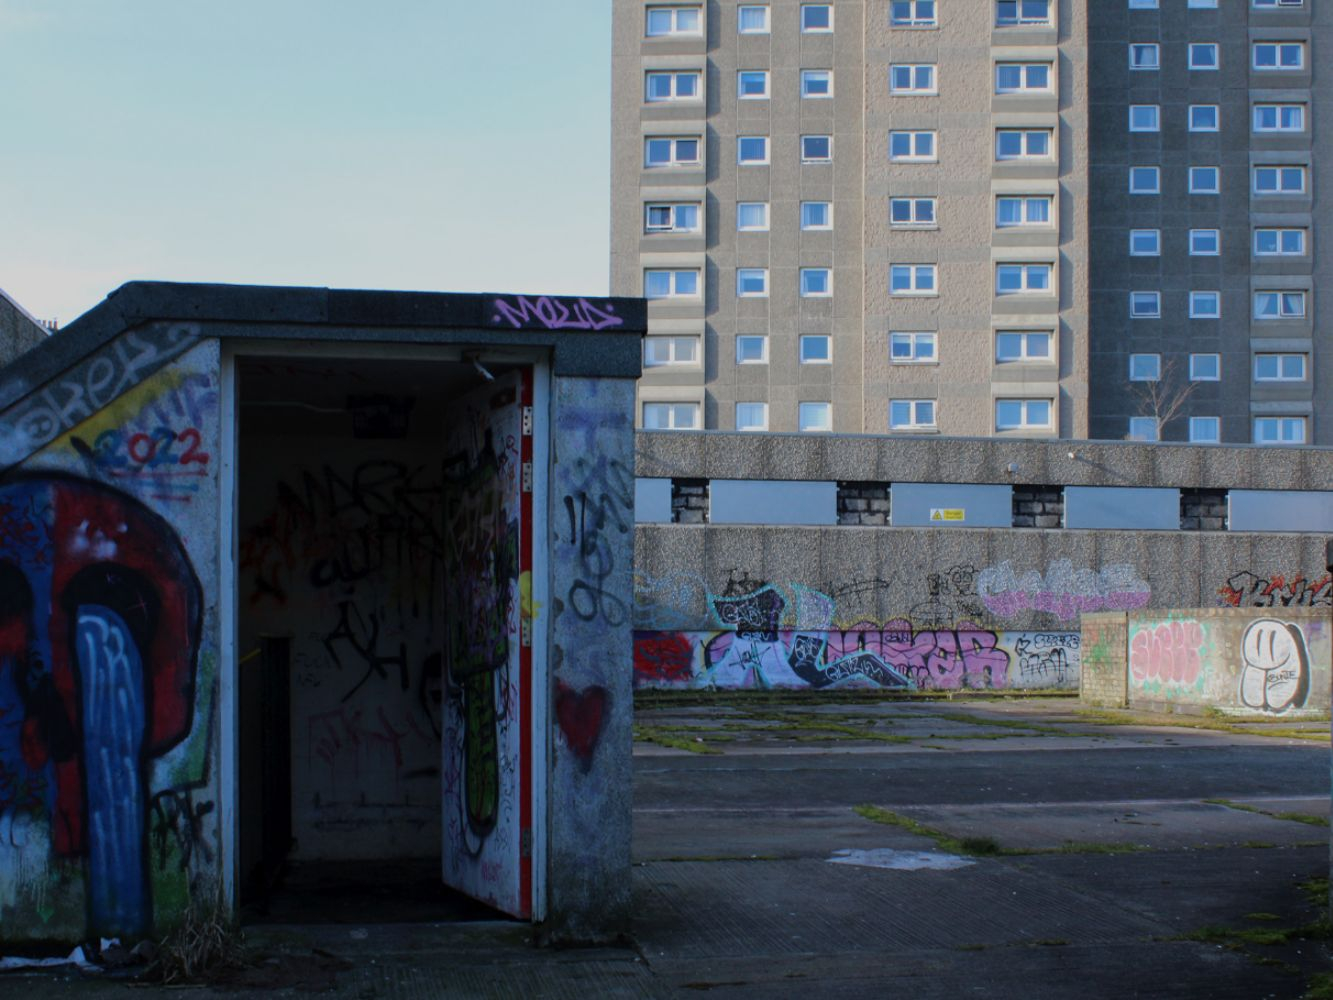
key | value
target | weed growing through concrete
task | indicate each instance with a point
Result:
(667, 738)
(984, 847)
(1292, 817)
(1102, 717)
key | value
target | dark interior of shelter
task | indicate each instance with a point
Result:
(344, 576)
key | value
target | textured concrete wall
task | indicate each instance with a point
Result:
(18, 332)
(1103, 678)
(109, 640)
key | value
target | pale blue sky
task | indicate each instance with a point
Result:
(415, 144)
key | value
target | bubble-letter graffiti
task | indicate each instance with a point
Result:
(1276, 675)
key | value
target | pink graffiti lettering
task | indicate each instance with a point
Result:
(1168, 653)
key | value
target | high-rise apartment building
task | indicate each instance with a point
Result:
(975, 217)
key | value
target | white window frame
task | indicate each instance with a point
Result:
(808, 423)
(1025, 203)
(749, 424)
(809, 76)
(1153, 305)
(1204, 66)
(1196, 110)
(914, 341)
(1142, 4)
(1280, 172)
(673, 13)
(1145, 367)
(1278, 47)
(1026, 134)
(914, 203)
(673, 210)
(809, 340)
(1205, 305)
(767, 157)
(1019, 19)
(1198, 368)
(1145, 65)
(752, 75)
(752, 8)
(806, 29)
(1143, 429)
(1145, 118)
(809, 280)
(1297, 295)
(805, 154)
(761, 227)
(1156, 173)
(674, 76)
(1281, 424)
(915, 138)
(672, 410)
(1025, 406)
(1025, 70)
(922, 414)
(1201, 5)
(1025, 271)
(1280, 358)
(1280, 235)
(1198, 238)
(915, 272)
(674, 355)
(749, 359)
(1279, 111)
(1025, 354)
(915, 85)
(817, 227)
(673, 282)
(1145, 243)
(1195, 177)
(1198, 434)
(913, 18)
(751, 282)
(673, 162)
(1265, 4)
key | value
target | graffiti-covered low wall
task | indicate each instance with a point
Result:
(1262, 662)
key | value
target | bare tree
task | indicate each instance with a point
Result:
(1164, 397)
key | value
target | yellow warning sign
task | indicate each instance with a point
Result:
(948, 514)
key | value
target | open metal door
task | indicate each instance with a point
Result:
(487, 766)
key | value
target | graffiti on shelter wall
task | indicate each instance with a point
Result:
(1276, 675)
(1248, 590)
(1062, 590)
(100, 666)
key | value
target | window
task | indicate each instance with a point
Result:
(911, 414)
(751, 349)
(659, 351)
(671, 218)
(670, 416)
(814, 418)
(751, 416)
(907, 146)
(1203, 55)
(1279, 242)
(1265, 4)
(681, 86)
(1017, 279)
(912, 14)
(752, 19)
(816, 282)
(1022, 210)
(1205, 305)
(1278, 55)
(1145, 367)
(1144, 55)
(1014, 12)
(816, 149)
(1279, 305)
(816, 215)
(1145, 305)
(816, 17)
(1022, 345)
(912, 348)
(912, 212)
(1142, 4)
(1145, 180)
(1205, 430)
(1022, 144)
(1144, 118)
(752, 85)
(752, 282)
(674, 21)
(1022, 414)
(816, 83)
(1202, 4)
(1017, 78)
(1279, 430)
(912, 79)
(663, 284)
(1205, 242)
(816, 349)
(1204, 118)
(751, 216)
(1205, 180)
(665, 152)
(1279, 367)
(1279, 180)
(751, 150)
(1142, 429)
(1205, 367)
(1145, 242)
(1279, 117)
(912, 279)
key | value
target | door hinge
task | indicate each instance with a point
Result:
(525, 632)
(525, 842)
(527, 477)
(527, 421)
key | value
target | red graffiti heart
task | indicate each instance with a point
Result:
(581, 715)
